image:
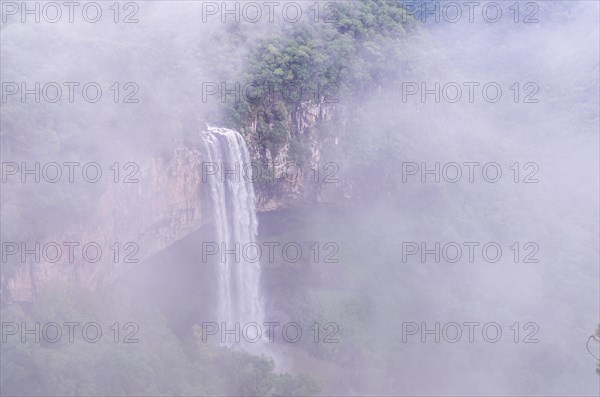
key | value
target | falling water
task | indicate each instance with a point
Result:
(234, 216)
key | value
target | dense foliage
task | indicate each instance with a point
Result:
(292, 69)
(299, 68)
(312, 66)
(159, 363)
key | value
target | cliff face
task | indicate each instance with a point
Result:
(166, 205)
(291, 183)
(143, 218)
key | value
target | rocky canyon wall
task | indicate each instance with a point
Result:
(137, 220)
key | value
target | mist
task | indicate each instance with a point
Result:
(463, 221)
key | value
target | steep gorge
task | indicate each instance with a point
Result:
(165, 206)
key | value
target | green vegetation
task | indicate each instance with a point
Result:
(160, 363)
(357, 51)
(336, 65)
(313, 65)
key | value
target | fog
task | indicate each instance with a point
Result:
(387, 204)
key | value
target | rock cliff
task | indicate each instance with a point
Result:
(166, 205)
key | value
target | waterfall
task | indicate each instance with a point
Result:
(233, 210)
